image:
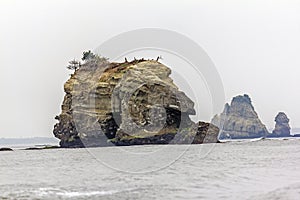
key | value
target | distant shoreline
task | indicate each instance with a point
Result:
(26, 142)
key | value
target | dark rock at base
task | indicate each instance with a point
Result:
(5, 149)
(196, 133)
(239, 120)
(127, 140)
(42, 148)
(282, 127)
(206, 133)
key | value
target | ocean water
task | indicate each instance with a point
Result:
(250, 169)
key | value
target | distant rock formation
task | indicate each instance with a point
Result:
(282, 127)
(128, 103)
(239, 120)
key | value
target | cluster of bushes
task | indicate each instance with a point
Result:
(88, 59)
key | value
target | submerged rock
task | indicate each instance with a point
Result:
(239, 120)
(42, 147)
(128, 103)
(282, 127)
(5, 149)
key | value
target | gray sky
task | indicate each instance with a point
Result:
(254, 44)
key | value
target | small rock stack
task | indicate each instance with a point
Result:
(282, 127)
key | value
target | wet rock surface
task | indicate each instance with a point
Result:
(239, 120)
(130, 103)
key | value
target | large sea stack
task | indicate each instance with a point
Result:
(130, 103)
(282, 127)
(239, 120)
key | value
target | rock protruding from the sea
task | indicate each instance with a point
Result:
(5, 149)
(239, 120)
(282, 127)
(128, 103)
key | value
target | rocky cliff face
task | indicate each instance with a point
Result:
(127, 103)
(239, 120)
(282, 127)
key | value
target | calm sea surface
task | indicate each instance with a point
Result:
(265, 169)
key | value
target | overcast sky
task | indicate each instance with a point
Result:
(254, 45)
